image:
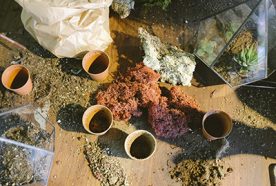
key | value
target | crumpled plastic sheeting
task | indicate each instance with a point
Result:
(68, 28)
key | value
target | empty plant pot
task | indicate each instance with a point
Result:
(216, 125)
(97, 119)
(17, 79)
(140, 145)
(96, 63)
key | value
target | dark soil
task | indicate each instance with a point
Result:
(99, 122)
(16, 165)
(98, 66)
(20, 79)
(141, 147)
(214, 125)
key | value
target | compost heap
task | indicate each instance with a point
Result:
(138, 91)
(173, 114)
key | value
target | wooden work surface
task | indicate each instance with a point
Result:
(70, 166)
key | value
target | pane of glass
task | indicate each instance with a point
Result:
(26, 147)
(245, 59)
(215, 32)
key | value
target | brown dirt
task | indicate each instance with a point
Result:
(53, 80)
(244, 40)
(16, 165)
(200, 172)
(105, 168)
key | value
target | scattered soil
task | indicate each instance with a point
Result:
(17, 166)
(16, 169)
(105, 168)
(23, 131)
(200, 163)
(200, 172)
(54, 79)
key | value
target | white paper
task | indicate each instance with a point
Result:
(68, 28)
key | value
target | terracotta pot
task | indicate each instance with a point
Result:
(216, 125)
(97, 119)
(17, 79)
(140, 145)
(96, 63)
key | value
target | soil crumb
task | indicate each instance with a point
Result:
(200, 162)
(15, 167)
(200, 172)
(105, 168)
(244, 40)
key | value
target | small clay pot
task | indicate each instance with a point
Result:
(96, 63)
(216, 125)
(140, 145)
(17, 79)
(97, 119)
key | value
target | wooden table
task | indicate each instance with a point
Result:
(70, 166)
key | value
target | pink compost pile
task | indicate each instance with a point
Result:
(138, 90)
(172, 116)
(131, 92)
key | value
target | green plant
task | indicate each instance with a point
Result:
(230, 29)
(206, 51)
(248, 58)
